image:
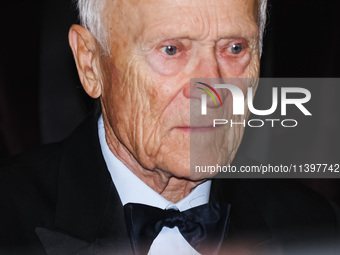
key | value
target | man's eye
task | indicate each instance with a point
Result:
(169, 50)
(236, 48)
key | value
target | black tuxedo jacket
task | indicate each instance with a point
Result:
(60, 199)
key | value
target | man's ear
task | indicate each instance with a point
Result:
(86, 55)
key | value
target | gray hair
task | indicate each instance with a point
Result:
(261, 22)
(90, 17)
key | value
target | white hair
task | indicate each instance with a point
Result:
(90, 15)
(261, 22)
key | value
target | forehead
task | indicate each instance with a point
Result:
(195, 19)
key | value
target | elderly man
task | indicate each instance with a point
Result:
(121, 183)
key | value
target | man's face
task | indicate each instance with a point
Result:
(156, 47)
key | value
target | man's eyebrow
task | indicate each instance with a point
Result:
(249, 33)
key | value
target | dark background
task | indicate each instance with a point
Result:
(42, 101)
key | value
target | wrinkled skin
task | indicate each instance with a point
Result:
(145, 92)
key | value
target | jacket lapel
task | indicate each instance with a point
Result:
(57, 243)
(89, 214)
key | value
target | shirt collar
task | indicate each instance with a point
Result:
(131, 189)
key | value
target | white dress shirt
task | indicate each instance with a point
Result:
(131, 189)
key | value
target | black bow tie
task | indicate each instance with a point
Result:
(204, 227)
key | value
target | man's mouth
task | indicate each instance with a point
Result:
(196, 129)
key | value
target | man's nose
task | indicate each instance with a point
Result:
(204, 66)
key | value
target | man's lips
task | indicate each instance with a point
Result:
(196, 129)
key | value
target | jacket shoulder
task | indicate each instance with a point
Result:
(28, 188)
(31, 169)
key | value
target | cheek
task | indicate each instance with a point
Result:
(123, 97)
(138, 102)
